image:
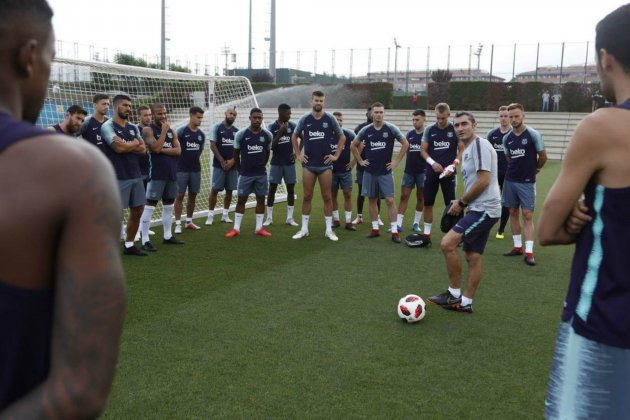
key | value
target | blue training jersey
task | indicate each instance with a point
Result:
(415, 164)
(442, 143)
(254, 150)
(125, 164)
(317, 135)
(523, 152)
(495, 137)
(340, 165)
(191, 143)
(283, 152)
(224, 138)
(91, 131)
(379, 146)
(163, 167)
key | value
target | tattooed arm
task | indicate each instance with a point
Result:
(89, 296)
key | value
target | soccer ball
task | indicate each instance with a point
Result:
(411, 308)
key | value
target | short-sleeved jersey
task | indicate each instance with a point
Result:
(254, 150)
(91, 131)
(163, 167)
(340, 165)
(523, 151)
(317, 135)
(379, 145)
(58, 129)
(143, 160)
(479, 155)
(415, 164)
(495, 137)
(360, 126)
(191, 143)
(442, 143)
(125, 164)
(224, 138)
(283, 152)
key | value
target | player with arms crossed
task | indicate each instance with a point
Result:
(318, 129)
(590, 375)
(62, 291)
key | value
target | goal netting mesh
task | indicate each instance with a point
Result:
(76, 82)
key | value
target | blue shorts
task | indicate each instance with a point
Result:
(318, 170)
(222, 180)
(475, 226)
(252, 184)
(132, 192)
(159, 189)
(342, 180)
(190, 181)
(279, 172)
(411, 181)
(431, 184)
(358, 178)
(588, 379)
(375, 186)
(519, 194)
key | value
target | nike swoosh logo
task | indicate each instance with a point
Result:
(95, 128)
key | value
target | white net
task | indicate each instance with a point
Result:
(76, 82)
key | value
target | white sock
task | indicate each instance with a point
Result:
(348, 217)
(188, 220)
(335, 215)
(210, 214)
(145, 223)
(167, 220)
(289, 212)
(259, 220)
(427, 228)
(178, 222)
(417, 217)
(518, 242)
(399, 219)
(466, 301)
(455, 292)
(226, 213)
(375, 225)
(269, 213)
(529, 247)
(394, 228)
(329, 222)
(128, 244)
(238, 218)
(305, 219)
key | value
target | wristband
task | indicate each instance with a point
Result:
(456, 162)
(462, 204)
(430, 161)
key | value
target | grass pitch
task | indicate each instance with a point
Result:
(254, 327)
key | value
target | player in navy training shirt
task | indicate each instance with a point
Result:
(495, 137)
(318, 129)
(71, 124)
(62, 291)
(342, 177)
(590, 374)
(91, 128)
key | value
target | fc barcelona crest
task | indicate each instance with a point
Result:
(524, 141)
(169, 135)
(385, 135)
(449, 134)
(261, 138)
(325, 125)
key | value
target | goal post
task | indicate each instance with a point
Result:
(75, 82)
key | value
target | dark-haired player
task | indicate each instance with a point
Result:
(71, 124)
(495, 137)
(91, 128)
(342, 177)
(62, 292)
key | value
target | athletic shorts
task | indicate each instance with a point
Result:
(475, 226)
(342, 180)
(413, 180)
(190, 181)
(279, 172)
(588, 379)
(318, 170)
(431, 184)
(377, 185)
(222, 180)
(519, 194)
(252, 184)
(159, 189)
(132, 192)
(358, 178)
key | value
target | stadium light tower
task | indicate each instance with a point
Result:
(396, 63)
(249, 52)
(163, 40)
(478, 54)
(272, 41)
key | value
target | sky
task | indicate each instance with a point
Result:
(200, 30)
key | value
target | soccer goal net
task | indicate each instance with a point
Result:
(76, 82)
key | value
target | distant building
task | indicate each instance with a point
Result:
(554, 74)
(287, 76)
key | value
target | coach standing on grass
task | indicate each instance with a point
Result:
(483, 199)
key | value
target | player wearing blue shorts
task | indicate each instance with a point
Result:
(377, 140)
(440, 148)
(590, 373)
(282, 163)
(252, 147)
(317, 129)
(165, 149)
(495, 137)
(525, 152)
(414, 175)
(342, 177)
(91, 127)
(125, 143)
(483, 199)
(224, 174)
(72, 122)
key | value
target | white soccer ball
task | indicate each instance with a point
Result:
(411, 308)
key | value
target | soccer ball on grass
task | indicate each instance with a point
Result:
(411, 308)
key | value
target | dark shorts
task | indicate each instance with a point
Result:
(475, 226)
(358, 178)
(519, 194)
(222, 180)
(159, 189)
(318, 170)
(431, 184)
(412, 181)
(279, 172)
(252, 184)
(376, 186)
(132, 192)
(342, 180)
(190, 181)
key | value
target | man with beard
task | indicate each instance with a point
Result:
(91, 128)
(71, 125)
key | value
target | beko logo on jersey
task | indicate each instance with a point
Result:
(315, 135)
(227, 141)
(375, 145)
(498, 147)
(254, 148)
(415, 147)
(517, 152)
(192, 146)
(441, 144)
(284, 139)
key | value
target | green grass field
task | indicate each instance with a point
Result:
(254, 327)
